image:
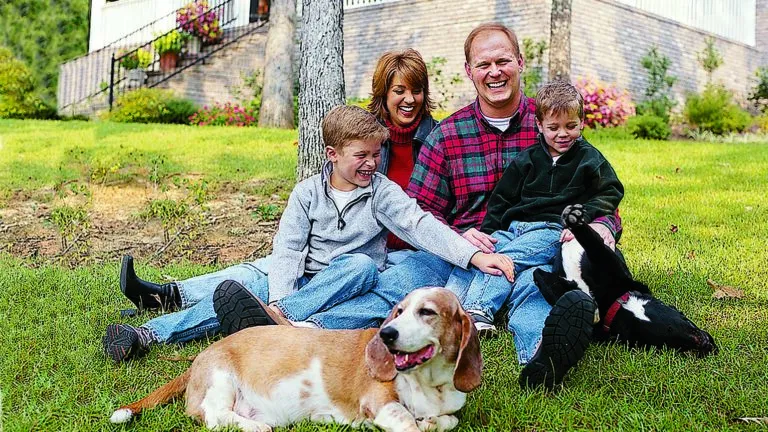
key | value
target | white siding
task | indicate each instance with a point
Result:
(732, 19)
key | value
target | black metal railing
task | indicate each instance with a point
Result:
(119, 79)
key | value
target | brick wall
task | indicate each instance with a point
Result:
(212, 81)
(609, 39)
(436, 28)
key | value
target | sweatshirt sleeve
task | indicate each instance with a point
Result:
(402, 215)
(505, 195)
(608, 192)
(290, 247)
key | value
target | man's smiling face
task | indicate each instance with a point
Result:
(494, 67)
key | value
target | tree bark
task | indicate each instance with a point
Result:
(321, 78)
(560, 41)
(277, 96)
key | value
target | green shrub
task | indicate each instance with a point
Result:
(179, 111)
(148, 105)
(759, 94)
(658, 95)
(533, 74)
(713, 110)
(18, 96)
(648, 126)
(761, 122)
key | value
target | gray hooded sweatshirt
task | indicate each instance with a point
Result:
(313, 231)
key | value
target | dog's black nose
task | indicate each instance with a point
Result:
(388, 335)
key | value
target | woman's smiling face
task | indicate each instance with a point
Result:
(404, 103)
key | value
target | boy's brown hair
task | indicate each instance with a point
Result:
(492, 26)
(558, 97)
(413, 71)
(346, 123)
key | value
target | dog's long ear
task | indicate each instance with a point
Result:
(379, 361)
(469, 366)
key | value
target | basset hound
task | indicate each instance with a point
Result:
(410, 375)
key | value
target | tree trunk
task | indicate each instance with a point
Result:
(277, 97)
(560, 41)
(321, 78)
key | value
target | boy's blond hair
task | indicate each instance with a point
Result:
(346, 123)
(558, 97)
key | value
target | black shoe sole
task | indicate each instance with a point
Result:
(141, 301)
(121, 342)
(236, 308)
(566, 336)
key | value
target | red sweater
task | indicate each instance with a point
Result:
(400, 166)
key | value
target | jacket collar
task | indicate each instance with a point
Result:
(325, 176)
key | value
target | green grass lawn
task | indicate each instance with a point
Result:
(53, 375)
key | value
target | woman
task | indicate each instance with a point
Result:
(400, 100)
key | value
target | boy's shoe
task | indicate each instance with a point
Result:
(145, 294)
(483, 324)
(236, 309)
(566, 336)
(123, 342)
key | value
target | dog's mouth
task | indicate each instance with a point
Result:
(405, 360)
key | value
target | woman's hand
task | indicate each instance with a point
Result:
(494, 264)
(480, 240)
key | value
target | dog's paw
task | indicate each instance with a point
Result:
(573, 216)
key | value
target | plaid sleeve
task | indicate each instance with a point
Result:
(429, 183)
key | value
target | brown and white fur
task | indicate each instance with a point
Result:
(413, 379)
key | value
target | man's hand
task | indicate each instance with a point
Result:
(480, 240)
(494, 264)
(599, 228)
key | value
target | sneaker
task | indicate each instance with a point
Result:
(483, 324)
(122, 342)
(236, 309)
(566, 336)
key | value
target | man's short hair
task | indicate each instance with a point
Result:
(558, 97)
(492, 26)
(410, 65)
(346, 123)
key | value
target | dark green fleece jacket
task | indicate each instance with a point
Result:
(533, 188)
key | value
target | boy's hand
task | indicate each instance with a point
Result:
(599, 228)
(494, 264)
(480, 240)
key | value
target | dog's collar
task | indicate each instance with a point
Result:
(611, 314)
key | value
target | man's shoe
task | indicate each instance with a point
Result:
(122, 342)
(236, 309)
(144, 294)
(483, 324)
(566, 336)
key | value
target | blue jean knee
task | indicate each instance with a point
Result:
(347, 276)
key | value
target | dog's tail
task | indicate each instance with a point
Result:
(162, 395)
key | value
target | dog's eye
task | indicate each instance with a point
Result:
(426, 312)
(398, 311)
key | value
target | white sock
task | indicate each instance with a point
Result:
(305, 324)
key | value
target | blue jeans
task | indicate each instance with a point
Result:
(419, 269)
(529, 244)
(526, 311)
(347, 276)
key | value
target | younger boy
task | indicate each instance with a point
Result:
(331, 242)
(525, 207)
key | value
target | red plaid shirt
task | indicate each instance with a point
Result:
(463, 159)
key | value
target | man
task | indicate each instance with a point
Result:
(459, 165)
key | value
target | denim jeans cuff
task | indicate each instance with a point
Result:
(284, 311)
(523, 356)
(182, 293)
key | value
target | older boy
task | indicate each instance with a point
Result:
(524, 210)
(331, 239)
